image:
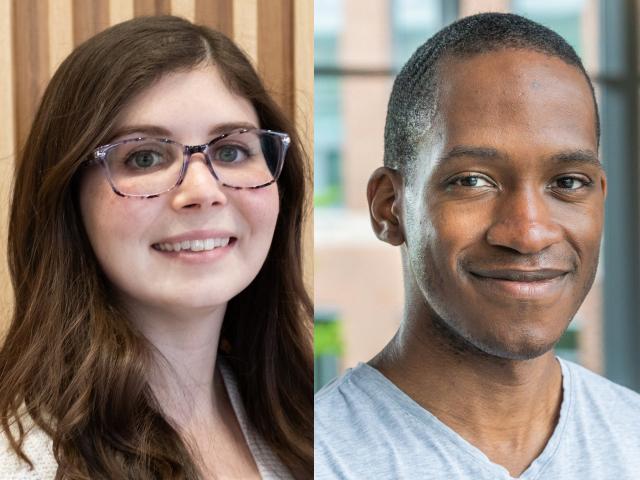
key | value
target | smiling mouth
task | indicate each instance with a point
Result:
(521, 276)
(200, 245)
(527, 285)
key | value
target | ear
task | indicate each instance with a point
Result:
(603, 184)
(384, 193)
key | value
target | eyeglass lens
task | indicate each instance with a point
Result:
(152, 166)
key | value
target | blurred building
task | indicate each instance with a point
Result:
(360, 45)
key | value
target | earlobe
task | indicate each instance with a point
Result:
(384, 193)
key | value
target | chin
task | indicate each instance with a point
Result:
(520, 343)
(516, 344)
(527, 349)
(179, 303)
(197, 302)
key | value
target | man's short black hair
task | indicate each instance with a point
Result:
(413, 99)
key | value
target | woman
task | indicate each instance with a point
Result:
(161, 325)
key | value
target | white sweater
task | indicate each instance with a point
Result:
(38, 446)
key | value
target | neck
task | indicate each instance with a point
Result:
(506, 408)
(183, 376)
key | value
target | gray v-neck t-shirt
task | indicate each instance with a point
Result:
(366, 427)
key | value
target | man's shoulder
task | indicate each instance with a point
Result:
(364, 428)
(601, 431)
(599, 401)
(338, 393)
(601, 389)
(353, 404)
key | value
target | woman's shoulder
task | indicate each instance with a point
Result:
(38, 447)
(269, 465)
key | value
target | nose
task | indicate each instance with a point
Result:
(522, 222)
(199, 188)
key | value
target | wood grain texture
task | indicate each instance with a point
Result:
(275, 50)
(218, 15)
(60, 32)
(151, 7)
(7, 107)
(30, 61)
(120, 10)
(245, 27)
(7, 151)
(303, 71)
(303, 109)
(184, 8)
(89, 18)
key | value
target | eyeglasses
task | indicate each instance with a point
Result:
(148, 167)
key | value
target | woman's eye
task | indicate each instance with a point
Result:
(144, 159)
(570, 183)
(230, 154)
(471, 181)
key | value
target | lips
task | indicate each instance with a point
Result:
(206, 244)
(195, 241)
(541, 284)
(519, 275)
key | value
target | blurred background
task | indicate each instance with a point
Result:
(360, 45)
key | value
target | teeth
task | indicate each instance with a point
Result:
(194, 245)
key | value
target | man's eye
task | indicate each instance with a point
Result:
(471, 181)
(570, 183)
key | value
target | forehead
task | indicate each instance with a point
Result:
(182, 102)
(515, 99)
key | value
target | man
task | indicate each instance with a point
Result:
(493, 189)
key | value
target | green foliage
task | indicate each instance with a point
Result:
(327, 338)
(330, 197)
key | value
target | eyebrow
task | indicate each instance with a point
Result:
(157, 130)
(470, 151)
(580, 156)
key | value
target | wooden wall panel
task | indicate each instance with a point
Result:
(245, 27)
(151, 7)
(37, 35)
(184, 8)
(275, 49)
(31, 60)
(89, 18)
(218, 15)
(120, 10)
(303, 105)
(60, 32)
(7, 147)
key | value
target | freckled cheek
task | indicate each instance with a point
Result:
(94, 207)
(111, 220)
(260, 209)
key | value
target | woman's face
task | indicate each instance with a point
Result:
(127, 233)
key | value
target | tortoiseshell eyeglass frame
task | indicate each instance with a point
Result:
(99, 156)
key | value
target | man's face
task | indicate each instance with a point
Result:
(503, 213)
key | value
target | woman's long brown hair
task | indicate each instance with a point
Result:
(71, 360)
